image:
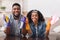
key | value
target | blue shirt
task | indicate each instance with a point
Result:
(41, 27)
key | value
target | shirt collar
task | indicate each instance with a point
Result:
(39, 23)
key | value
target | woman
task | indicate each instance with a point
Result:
(37, 24)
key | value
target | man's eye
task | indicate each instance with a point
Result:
(18, 9)
(14, 9)
(32, 15)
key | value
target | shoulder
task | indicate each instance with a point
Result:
(43, 22)
(22, 16)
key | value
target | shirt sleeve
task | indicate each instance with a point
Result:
(43, 28)
(4, 26)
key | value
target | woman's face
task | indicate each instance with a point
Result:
(34, 17)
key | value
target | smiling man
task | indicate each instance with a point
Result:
(15, 23)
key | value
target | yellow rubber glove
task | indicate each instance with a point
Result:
(7, 19)
(48, 26)
(27, 24)
(7, 30)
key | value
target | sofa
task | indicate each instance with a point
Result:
(52, 34)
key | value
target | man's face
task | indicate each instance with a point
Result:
(16, 10)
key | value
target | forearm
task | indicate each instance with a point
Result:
(7, 31)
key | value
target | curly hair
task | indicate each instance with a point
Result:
(40, 16)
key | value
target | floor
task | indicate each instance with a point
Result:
(4, 37)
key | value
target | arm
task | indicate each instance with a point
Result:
(28, 26)
(44, 28)
(48, 27)
(6, 24)
(24, 31)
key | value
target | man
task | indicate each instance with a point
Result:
(15, 22)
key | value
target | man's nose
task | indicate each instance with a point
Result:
(16, 10)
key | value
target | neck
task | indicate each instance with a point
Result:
(16, 18)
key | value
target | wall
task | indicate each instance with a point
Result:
(8, 3)
(47, 7)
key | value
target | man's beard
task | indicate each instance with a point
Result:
(16, 16)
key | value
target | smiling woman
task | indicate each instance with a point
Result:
(37, 24)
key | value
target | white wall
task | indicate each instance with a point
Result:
(8, 3)
(25, 5)
(0, 2)
(47, 7)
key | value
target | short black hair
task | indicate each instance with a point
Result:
(40, 16)
(16, 4)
